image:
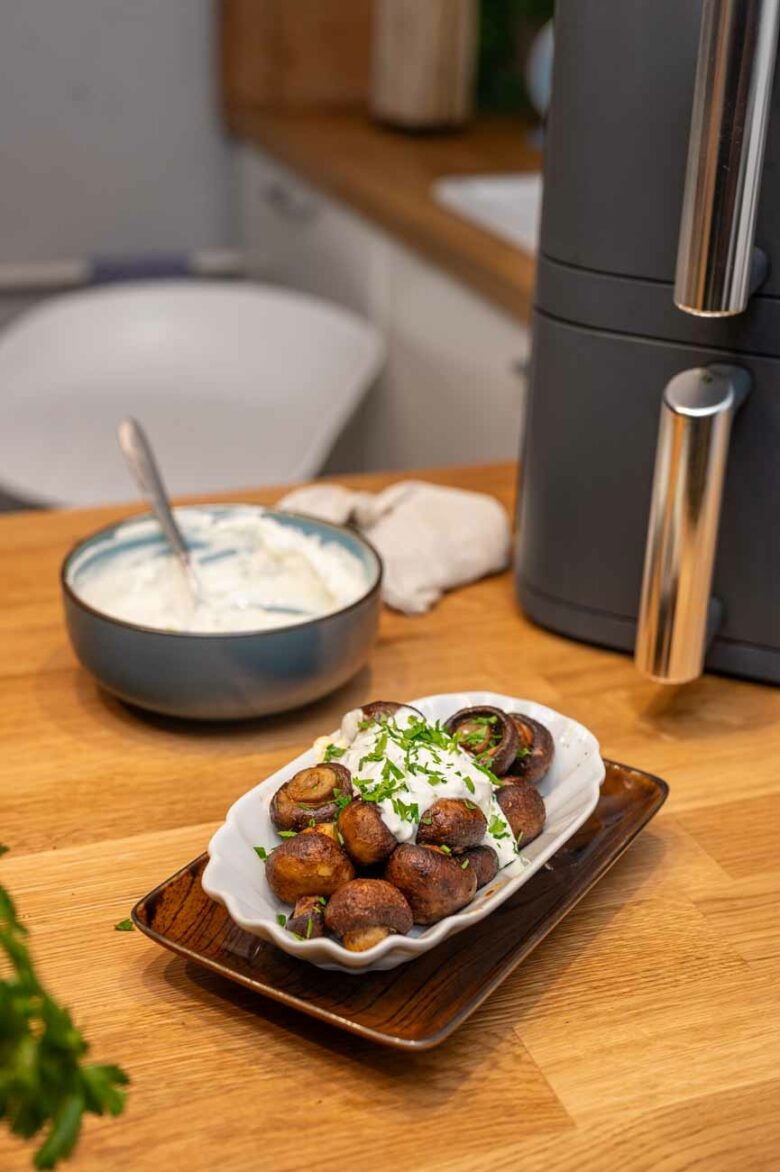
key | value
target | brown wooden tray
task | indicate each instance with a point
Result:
(417, 1005)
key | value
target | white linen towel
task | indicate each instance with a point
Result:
(431, 539)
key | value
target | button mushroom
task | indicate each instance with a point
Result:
(483, 861)
(380, 710)
(523, 808)
(434, 883)
(307, 920)
(536, 750)
(329, 829)
(366, 837)
(487, 734)
(365, 911)
(313, 795)
(309, 864)
(452, 822)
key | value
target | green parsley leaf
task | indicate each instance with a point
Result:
(447, 849)
(408, 811)
(281, 920)
(124, 926)
(261, 852)
(464, 864)
(287, 834)
(45, 1084)
(469, 784)
(332, 753)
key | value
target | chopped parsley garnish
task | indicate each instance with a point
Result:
(332, 753)
(409, 812)
(124, 926)
(469, 784)
(484, 769)
(281, 920)
(322, 900)
(447, 849)
(288, 834)
(261, 853)
(464, 864)
(309, 927)
(498, 828)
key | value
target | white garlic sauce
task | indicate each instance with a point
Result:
(454, 766)
(255, 574)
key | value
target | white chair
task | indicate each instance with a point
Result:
(236, 383)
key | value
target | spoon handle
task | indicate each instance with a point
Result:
(140, 459)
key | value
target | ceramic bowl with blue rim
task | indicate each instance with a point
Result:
(219, 674)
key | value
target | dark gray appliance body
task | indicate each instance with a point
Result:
(608, 337)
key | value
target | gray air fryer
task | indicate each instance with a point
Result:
(659, 292)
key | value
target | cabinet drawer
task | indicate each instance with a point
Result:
(296, 235)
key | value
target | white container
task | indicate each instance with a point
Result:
(423, 65)
(235, 877)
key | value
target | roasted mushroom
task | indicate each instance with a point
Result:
(307, 919)
(434, 883)
(483, 861)
(327, 828)
(366, 837)
(536, 751)
(487, 734)
(309, 864)
(313, 795)
(365, 911)
(523, 808)
(452, 822)
(380, 710)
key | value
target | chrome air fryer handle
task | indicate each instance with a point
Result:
(690, 465)
(734, 75)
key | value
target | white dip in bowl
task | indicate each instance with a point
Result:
(256, 572)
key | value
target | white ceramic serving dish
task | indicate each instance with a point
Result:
(235, 877)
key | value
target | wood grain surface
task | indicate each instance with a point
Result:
(387, 176)
(282, 55)
(644, 1033)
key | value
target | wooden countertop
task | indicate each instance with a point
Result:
(644, 1033)
(387, 176)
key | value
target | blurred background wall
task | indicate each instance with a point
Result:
(109, 131)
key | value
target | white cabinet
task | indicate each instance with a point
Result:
(454, 387)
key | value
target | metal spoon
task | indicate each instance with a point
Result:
(140, 460)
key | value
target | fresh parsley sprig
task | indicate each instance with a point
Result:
(45, 1086)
